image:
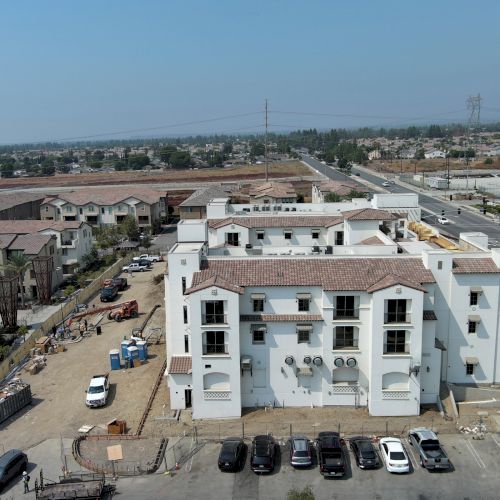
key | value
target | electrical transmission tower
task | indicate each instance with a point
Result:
(473, 122)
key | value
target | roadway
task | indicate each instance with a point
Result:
(465, 222)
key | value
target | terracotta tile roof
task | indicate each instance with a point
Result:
(202, 197)
(217, 281)
(474, 266)
(281, 317)
(429, 316)
(392, 280)
(180, 365)
(6, 240)
(373, 240)
(279, 221)
(35, 226)
(9, 200)
(108, 197)
(342, 188)
(275, 190)
(30, 244)
(368, 214)
(328, 273)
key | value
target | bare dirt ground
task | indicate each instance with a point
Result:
(59, 389)
(236, 174)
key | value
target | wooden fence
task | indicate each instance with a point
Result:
(83, 296)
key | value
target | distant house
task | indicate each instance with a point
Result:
(493, 152)
(273, 192)
(434, 153)
(195, 207)
(374, 155)
(20, 205)
(342, 188)
(106, 207)
(73, 239)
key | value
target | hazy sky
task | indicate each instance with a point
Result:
(86, 67)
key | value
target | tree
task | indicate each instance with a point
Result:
(90, 259)
(121, 165)
(17, 265)
(305, 494)
(48, 167)
(419, 154)
(180, 159)
(333, 198)
(137, 162)
(7, 169)
(166, 152)
(106, 237)
(95, 164)
(129, 227)
(344, 164)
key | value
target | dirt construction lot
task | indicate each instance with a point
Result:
(59, 389)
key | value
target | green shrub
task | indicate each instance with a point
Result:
(158, 278)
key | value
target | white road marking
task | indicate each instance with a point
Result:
(496, 440)
(411, 454)
(475, 454)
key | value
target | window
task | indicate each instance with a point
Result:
(69, 208)
(474, 296)
(303, 303)
(346, 307)
(65, 251)
(143, 208)
(315, 234)
(183, 285)
(186, 343)
(32, 274)
(469, 369)
(339, 238)
(46, 208)
(215, 343)
(102, 210)
(258, 334)
(304, 334)
(185, 314)
(80, 210)
(472, 326)
(51, 250)
(260, 235)
(345, 337)
(214, 312)
(288, 234)
(258, 305)
(232, 239)
(396, 311)
(91, 208)
(440, 264)
(396, 341)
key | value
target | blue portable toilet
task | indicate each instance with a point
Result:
(114, 359)
(142, 347)
(133, 354)
(125, 345)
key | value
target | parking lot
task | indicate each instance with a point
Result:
(474, 476)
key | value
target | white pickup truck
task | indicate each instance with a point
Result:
(98, 390)
(147, 256)
(134, 267)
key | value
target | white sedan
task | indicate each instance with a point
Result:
(394, 455)
(386, 184)
(443, 220)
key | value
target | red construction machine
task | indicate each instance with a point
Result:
(129, 309)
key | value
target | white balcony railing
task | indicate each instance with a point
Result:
(342, 388)
(210, 395)
(395, 394)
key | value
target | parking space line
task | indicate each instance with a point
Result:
(475, 454)
(495, 439)
(411, 453)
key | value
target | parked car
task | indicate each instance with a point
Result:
(232, 455)
(109, 293)
(121, 283)
(432, 455)
(386, 184)
(331, 457)
(263, 457)
(144, 262)
(300, 451)
(394, 455)
(443, 220)
(12, 464)
(134, 267)
(98, 391)
(364, 452)
(151, 258)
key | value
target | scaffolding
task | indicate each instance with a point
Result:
(43, 267)
(8, 301)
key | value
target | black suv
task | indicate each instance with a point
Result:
(12, 464)
(109, 293)
(364, 452)
(232, 454)
(264, 451)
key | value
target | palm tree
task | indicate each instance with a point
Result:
(18, 264)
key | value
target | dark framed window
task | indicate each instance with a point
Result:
(339, 238)
(315, 235)
(186, 343)
(214, 312)
(288, 235)
(345, 338)
(215, 343)
(469, 369)
(183, 285)
(396, 342)
(303, 336)
(258, 334)
(472, 327)
(474, 297)
(303, 304)
(185, 314)
(260, 235)
(396, 311)
(232, 239)
(258, 305)
(346, 307)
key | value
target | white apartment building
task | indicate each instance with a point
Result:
(378, 317)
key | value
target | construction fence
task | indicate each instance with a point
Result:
(66, 309)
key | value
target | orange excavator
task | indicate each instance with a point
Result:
(129, 309)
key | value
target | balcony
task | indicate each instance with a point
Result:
(214, 319)
(345, 345)
(68, 244)
(397, 317)
(210, 395)
(351, 313)
(215, 349)
(399, 395)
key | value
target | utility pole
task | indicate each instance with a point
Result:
(473, 123)
(265, 147)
